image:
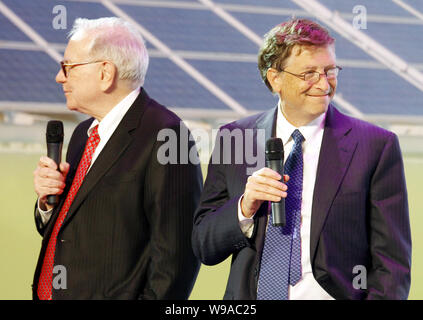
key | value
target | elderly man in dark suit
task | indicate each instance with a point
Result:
(122, 228)
(347, 233)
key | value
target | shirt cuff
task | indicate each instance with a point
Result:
(246, 224)
(45, 214)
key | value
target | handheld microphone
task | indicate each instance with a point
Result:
(54, 137)
(274, 161)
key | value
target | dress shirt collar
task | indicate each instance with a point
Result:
(284, 129)
(112, 119)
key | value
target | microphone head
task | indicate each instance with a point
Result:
(274, 149)
(54, 133)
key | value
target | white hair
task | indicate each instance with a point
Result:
(118, 41)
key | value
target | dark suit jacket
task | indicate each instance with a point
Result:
(127, 233)
(359, 212)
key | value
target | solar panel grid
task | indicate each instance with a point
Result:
(172, 87)
(403, 40)
(187, 29)
(28, 76)
(200, 30)
(9, 32)
(379, 92)
(39, 15)
(417, 4)
(384, 7)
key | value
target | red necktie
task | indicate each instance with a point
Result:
(44, 289)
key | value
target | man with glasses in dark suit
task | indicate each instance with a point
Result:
(347, 232)
(122, 227)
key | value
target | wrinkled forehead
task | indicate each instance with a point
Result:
(306, 49)
(308, 55)
(77, 50)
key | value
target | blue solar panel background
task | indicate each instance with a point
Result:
(418, 4)
(38, 14)
(9, 32)
(28, 75)
(187, 29)
(379, 7)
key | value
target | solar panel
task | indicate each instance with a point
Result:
(28, 76)
(190, 29)
(215, 50)
(10, 32)
(372, 7)
(171, 86)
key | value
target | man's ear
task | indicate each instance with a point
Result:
(273, 76)
(108, 75)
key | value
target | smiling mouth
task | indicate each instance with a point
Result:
(318, 95)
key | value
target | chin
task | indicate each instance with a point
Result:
(71, 107)
(321, 107)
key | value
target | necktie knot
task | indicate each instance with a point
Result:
(297, 136)
(94, 136)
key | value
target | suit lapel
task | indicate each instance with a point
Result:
(116, 145)
(338, 146)
(266, 122)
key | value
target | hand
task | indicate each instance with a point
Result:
(263, 185)
(49, 181)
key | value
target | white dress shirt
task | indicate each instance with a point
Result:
(106, 127)
(307, 288)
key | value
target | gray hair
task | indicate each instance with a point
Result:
(118, 41)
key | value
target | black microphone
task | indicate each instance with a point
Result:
(54, 135)
(274, 161)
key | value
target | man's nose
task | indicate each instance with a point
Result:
(60, 77)
(323, 83)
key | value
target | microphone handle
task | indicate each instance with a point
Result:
(278, 208)
(54, 151)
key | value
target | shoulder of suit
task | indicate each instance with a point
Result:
(249, 122)
(160, 115)
(360, 126)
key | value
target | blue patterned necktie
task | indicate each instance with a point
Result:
(281, 258)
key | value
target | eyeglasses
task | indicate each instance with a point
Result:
(67, 66)
(314, 76)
